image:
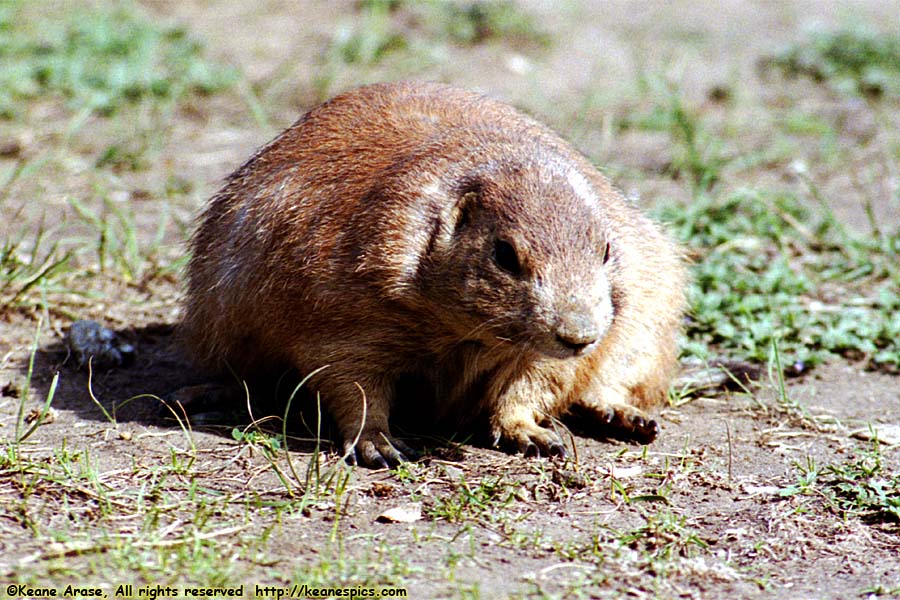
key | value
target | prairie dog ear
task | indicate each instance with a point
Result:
(467, 196)
(462, 209)
(456, 213)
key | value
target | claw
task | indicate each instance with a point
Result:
(651, 430)
(532, 442)
(607, 415)
(370, 455)
(378, 452)
(405, 453)
(643, 430)
(557, 450)
(350, 455)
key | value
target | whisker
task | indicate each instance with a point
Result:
(489, 323)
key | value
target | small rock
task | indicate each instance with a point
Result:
(568, 478)
(886, 433)
(91, 343)
(626, 472)
(761, 490)
(518, 64)
(382, 490)
(10, 390)
(409, 513)
(10, 148)
(719, 93)
(43, 418)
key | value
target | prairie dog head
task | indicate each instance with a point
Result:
(517, 255)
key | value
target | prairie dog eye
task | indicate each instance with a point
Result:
(506, 258)
(606, 253)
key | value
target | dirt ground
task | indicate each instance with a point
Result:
(701, 513)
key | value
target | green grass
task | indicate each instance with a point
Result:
(663, 536)
(403, 37)
(479, 21)
(158, 521)
(40, 264)
(763, 263)
(471, 22)
(115, 240)
(109, 66)
(375, 37)
(697, 155)
(772, 266)
(484, 499)
(855, 61)
(386, 27)
(661, 549)
(381, 566)
(99, 59)
(861, 487)
(29, 268)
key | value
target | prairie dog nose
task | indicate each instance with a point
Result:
(577, 333)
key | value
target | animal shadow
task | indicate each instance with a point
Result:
(142, 385)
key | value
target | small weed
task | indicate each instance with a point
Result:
(374, 38)
(382, 566)
(99, 59)
(483, 20)
(860, 488)
(408, 472)
(21, 434)
(805, 484)
(26, 267)
(665, 535)
(696, 154)
(271, 445)
(794, 411)
(815, 132)
(851, 61)
(416, 34)
(879, 591)
(472, 22)
(700, 156)
(473, 501)
(118, 243)
(121, 158)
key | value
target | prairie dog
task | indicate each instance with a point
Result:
(419, 230)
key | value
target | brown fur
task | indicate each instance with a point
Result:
(369, 237)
